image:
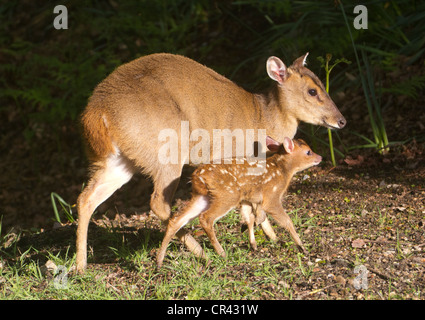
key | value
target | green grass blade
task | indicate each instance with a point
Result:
(66, 207)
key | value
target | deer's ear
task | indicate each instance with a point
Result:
(276, 69)
(301, 61)
(272, 144)
(288, 144)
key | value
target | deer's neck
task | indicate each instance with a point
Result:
(286, 171)
(275, 115)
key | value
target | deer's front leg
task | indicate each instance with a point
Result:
(278, 213)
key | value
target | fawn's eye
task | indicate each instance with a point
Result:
(309, 152)
(312, 92)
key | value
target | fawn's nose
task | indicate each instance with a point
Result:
(342, 122)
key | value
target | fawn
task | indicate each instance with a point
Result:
(217, 189)
(128, 111)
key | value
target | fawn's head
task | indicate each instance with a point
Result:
(303, 95)
(297, 153)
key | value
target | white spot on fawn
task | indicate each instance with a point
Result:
(269, 178)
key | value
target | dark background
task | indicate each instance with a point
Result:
(47, 76)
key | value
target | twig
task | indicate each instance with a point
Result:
(316, 291)
(329, 170)
(379, 273)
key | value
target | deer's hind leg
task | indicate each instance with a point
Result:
(218, 208)
(108, 176)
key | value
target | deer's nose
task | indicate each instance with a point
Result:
(342, 122)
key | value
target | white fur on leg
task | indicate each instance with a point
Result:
(196, 208)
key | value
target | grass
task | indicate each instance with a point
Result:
(124, 268)
(183, 276)
(66, 208)
(372, 103)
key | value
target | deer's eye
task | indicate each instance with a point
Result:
(309, 152)
(312, 92)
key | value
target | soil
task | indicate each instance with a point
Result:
(369, 215)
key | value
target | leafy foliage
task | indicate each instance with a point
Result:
(48, 74)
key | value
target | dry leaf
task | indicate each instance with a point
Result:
(358, 243)
(354, 162)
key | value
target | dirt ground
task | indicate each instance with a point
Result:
(360, 216)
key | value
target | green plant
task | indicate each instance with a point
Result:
(393, 41)
(305, 271)
(325, 65)
(66, 208)
(373, 106)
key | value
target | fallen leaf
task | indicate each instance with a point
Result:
(340, 280)
(354, 162)
(51, 266)
(358, 243)
(199, 233)
(419, 260)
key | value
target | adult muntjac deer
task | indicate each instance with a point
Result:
(128, 110)
(218, 188)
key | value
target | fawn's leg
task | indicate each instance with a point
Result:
(260, 215)
(268, 229)
(257, 217)
(218, 208)
(109, 176)
(246, 213)
(196, 205)
(276, 210)
(165, 184)
(248, 217)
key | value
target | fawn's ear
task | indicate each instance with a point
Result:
(276, 69)
(272, 144)
(288, 144)
(301, 61)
